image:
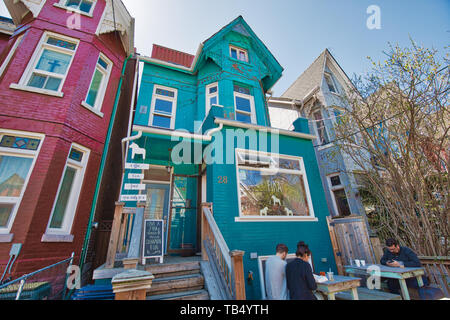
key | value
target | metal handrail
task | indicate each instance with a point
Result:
(24, 278)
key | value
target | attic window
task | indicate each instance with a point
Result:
(239, 54)
(330, 83)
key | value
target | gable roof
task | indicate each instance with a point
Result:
(237, 25)
(172, 56)
(312, 77)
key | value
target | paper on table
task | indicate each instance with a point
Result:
(320, 279)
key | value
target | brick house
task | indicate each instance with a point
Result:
(59, 76)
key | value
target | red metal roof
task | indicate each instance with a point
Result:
(172, 56)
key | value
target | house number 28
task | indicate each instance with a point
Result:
(223, 179)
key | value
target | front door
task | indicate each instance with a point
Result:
(158, 204)
(183, 227)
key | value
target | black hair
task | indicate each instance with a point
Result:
(302, 249)
(391, 242)
(282, 248)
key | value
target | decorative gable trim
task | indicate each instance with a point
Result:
(20, 8)
(118, 19)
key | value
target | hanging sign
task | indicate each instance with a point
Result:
(137, 176)
(134, 186)
(137, 166)
(153, 239)
(133, 197)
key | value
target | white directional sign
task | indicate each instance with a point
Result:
(137, 176)
(133, 197)
(140, 166)
(134, 186)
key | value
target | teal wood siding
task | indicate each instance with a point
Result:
(259, 74)
(262, 237)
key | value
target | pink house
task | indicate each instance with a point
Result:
(59, 76)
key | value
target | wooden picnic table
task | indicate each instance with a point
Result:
(401, 274)
(340, 283)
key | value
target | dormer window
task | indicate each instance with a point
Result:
(239, 54)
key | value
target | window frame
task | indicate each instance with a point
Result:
(238, 51)
(208, 95)
(34, 154)
(250, 97)
(243, 218)
(329, 76)
(74, 196)
(106, 73)
(62, 5)
(165, 98)
(337, 188)
(31, 67)
(316, 128)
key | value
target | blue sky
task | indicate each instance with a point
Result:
(295, 31)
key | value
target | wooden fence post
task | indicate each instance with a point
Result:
(238, 273)
(114, 238)
(132, 285)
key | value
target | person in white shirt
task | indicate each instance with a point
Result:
(275, 275)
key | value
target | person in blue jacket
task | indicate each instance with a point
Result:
(299, 275)
(401, 257)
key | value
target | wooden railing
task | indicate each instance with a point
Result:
(438, 271)
(225, 263)
(120, 238)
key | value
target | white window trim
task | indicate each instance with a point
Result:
(25, 154)
(238, 51)
(72, 204)
(316, 130)
(97, 107)
(242, 218)
(22, 85)
(330, 76)
(10, 54)
(61, 5)
(174, 107)
(335, 188)
(211, 95)
(252, 114)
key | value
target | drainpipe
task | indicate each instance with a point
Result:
(102, 167)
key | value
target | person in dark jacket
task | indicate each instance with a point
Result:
(401, 257)
(299, 275)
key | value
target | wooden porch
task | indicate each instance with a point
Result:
(216, 274)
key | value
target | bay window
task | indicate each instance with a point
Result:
(99, 83)
(49, 66)
(244, 105)
(17, 157)
(272, 186)
(66, 201)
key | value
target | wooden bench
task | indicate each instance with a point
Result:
(367, 294)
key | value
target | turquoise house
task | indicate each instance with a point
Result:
(201, 134)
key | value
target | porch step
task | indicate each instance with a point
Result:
(173, 269)
(185, 295)
(175, 284)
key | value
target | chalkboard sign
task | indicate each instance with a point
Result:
(153, 239)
